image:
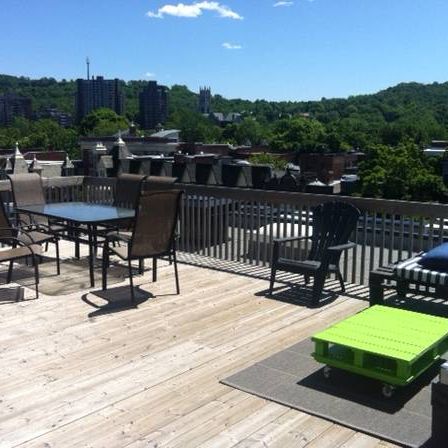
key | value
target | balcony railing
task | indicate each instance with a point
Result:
(240, 224)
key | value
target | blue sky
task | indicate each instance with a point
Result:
(297, 50)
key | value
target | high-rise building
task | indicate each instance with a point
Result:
(62, 118)
(12, 106)
(153, 105)
(205, 100)
(94, 93)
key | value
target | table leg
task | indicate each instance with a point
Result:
(73, 233)
(90, 231)
(77, 247)
(95, 243)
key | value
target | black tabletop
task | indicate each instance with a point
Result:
(80, 212)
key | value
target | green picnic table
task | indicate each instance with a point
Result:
(388, 344)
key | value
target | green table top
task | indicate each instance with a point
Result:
(391, 332)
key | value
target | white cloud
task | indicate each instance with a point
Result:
(282, 3)
(150, 75)
(194, 10)
(229, 46)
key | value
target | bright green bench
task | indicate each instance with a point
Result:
(392, 345)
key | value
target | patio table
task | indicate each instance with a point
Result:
(83, 214)
(388, 344)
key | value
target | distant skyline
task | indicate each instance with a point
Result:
(250, 49)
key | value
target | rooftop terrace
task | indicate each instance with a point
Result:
(81, 367)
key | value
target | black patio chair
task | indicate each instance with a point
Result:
(159, 183)
(153, 234)
(26, 234)
(21, 244)
(127, 194)
(27, 189)
(128, 190)
(18, 251)
(333, 223)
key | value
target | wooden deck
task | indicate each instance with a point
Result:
(79, 372)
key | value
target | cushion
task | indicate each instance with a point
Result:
(436, 258)
(412, 271)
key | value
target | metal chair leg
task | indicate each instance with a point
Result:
(77, 254)
(58, 261)
(9, 276)
(141, 266)
(274, 259)
(36, 275)
(176, 273)
(104, 265)
(131, 282)
(271, 283)
(92, 254)
(341, 280)
(154, 269)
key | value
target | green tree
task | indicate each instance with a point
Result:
(427, 187)
(297, 133)
(268, 159)
(194, 127)
(44, 134)
(103, 121)
(400, 173)
(249, 131)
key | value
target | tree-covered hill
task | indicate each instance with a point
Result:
(45, 92)
(418, 110)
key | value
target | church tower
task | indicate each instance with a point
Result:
(205, 100)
